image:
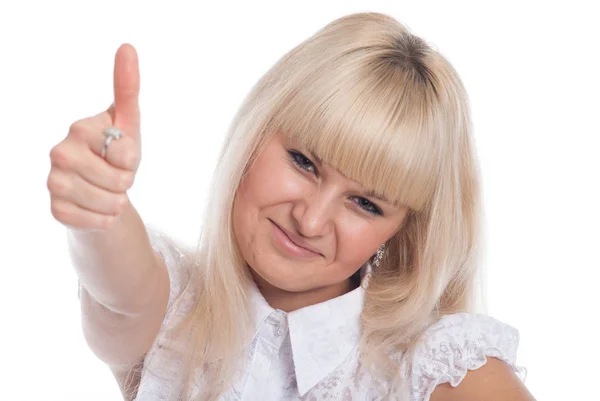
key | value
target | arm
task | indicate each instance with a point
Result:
(124, 289)
(116, 266)
(124, 284)
(494, 381)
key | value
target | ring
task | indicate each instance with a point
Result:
(110, 133)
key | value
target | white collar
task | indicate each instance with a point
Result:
(322, 335)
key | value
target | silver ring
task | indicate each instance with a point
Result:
(110, 133)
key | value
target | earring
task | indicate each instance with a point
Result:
(379, 255)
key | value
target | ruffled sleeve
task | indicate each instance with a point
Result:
(176, 262)
(458, 343)
(161, 372)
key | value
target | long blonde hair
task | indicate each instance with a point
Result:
(377, 103)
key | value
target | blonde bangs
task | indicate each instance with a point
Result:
(370, 121)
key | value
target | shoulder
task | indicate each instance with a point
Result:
(174, 253)
(475, 351)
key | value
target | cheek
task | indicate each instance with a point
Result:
(262, 184)
(274, 185)
(243, 220)
(357, 243)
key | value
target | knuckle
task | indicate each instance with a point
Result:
(50, 183)
(79, 134)
(58, 210)
(54, 152)
(125, 181)
(119, 203)
(76, 126)
(119, 183)
(59, 156)
(57, 185)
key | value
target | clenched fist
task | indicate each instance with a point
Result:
(87, 192)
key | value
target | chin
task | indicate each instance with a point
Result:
(277, 280)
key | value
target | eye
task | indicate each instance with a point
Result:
(302, 161)
(368, 206)
(305, 164)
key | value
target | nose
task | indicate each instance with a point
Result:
(314, 214)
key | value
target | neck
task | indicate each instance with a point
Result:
(289, 301)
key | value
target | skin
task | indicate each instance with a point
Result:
(494, 381)
(317, 204)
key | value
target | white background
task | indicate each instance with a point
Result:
(531, 70)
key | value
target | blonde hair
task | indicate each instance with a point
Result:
(377, 103)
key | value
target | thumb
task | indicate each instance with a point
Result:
(126, 91)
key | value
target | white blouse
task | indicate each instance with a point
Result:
(311, 353)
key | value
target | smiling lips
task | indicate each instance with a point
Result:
(294, 247)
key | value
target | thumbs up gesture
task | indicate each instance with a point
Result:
(88, 191)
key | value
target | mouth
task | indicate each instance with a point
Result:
(290, 247)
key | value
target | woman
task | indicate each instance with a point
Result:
(339, 255)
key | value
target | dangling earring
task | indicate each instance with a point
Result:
(379, 255)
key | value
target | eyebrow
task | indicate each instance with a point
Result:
(372, 194)
(315, 157)
(368, 193)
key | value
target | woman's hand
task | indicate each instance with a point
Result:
(88, 192)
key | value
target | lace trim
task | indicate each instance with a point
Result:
(459, 343)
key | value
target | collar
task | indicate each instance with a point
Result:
(321, 335)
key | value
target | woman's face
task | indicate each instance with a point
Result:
(301, 225)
